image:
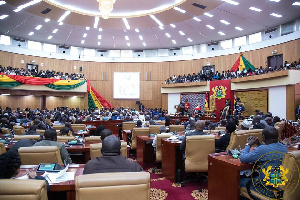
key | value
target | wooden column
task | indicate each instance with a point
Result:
(290, 102)
(43, 102)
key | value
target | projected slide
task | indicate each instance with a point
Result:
(126, 85)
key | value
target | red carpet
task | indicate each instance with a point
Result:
(163, 189)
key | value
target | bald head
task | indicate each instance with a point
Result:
(111, 146)
(200, 125)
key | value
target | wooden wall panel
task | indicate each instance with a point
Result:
(164, 101)
(297, 95)
(23, 102)
(71, 102)
(290, 102)
(254, 100)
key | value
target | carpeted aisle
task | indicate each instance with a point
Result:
(163, 189)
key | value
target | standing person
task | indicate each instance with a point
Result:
(186, 107)
(181, 106)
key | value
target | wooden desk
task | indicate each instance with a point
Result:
(144, 150)
(172, 161)
(224, 176)
(68, 187)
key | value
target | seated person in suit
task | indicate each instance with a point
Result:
(111, 159)
(32, 131)
(139, 124)
(222, 143)
(50, 140)
(256, 122)
(270, 153)
(162, 130)
(65, 131)
(10, 163)
(69, 126)
(21, 143)
(199, 127)
(100, 129)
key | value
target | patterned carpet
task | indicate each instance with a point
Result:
(163, 189)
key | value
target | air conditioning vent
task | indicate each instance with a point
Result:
(212, 43)
(199, 5)
(138, 51)
(175, 49)
(64, 47)
(19, 39)
(270, 30)
(103, 51)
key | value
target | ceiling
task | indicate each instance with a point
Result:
(112, 31)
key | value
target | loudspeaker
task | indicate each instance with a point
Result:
(80, 69)
(137, 102)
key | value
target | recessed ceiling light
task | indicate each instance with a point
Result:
(99, 43)
(21, 7)
(296, 3)
(179, 9)
(174, 41)
(84, 35)
(87, 28)
(275, 15)
(100, 29)
(60, 23)
(3, 16)
(126, 23)
(31, 33)
(197, 19)
(189, 39)
(221, 33)
(238, 28)
(55, 30)
(96, 22)
(38, 27)
(161, 27)
(141, 37)
(173, 25)
(126, 37)
(82, 41)
(231, 2)
(211, 27)
(255, 9)
(156, 20)
(47, 20)
(5, 94)
(2, 2)
(144, 44)
(50, 37)
(275, 0)
(64, 16)
(137, 30)
(99, 37)
(224, 22)
(168, 35)
(181, 33)
(207, 14)
(128, 44)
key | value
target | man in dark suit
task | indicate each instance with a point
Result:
(200, 125)
(111, 160)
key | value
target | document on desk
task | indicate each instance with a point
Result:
(61, 176)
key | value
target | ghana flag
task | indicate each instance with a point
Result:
(95, 99)
(242, 63)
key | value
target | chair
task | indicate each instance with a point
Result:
(160, 122)
(280, 126)
(159, 137)
(128, 125)
(137, 132)
(176, 128)
(77, 127)
(39, 154)
(154, 128)
(113, 186)
(2, 148)
(291, 190)
(65, 138)
(95, 150)
(211, 131)
(58, 127)
(40, 131)
(5, 130)
(18, 130)
(30, 137)
(14, 189)
(93, 139)
(196, 152)
(238, 139)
